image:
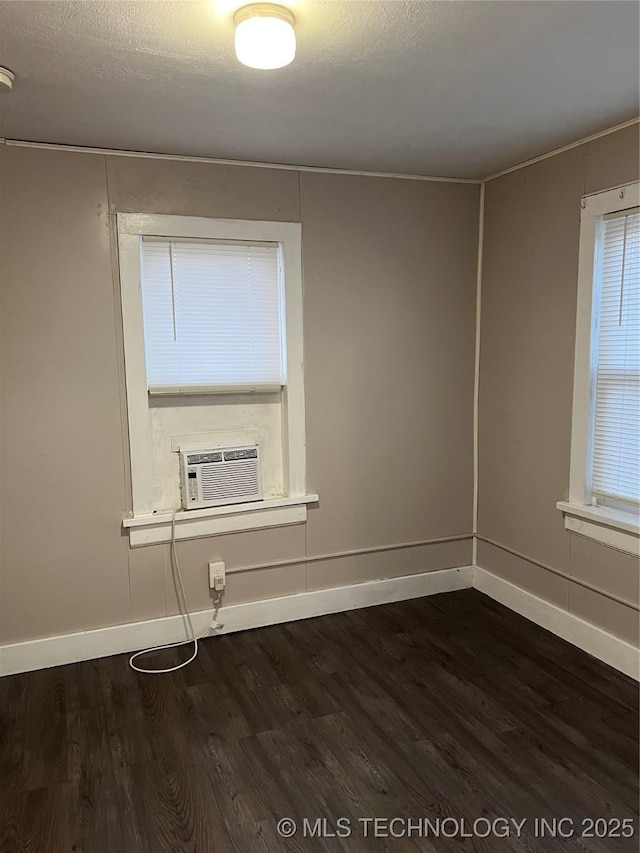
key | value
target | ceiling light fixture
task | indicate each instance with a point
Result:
(265, 37)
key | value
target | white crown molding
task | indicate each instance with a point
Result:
(564, 148)
(183, 158)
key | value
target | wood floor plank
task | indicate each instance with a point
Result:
(14, 692)
(43, 823)
(568, 740)
(10, 819)
(608, 682)
(171, 810)
(91, 816)
(45, 739)
(129, 739)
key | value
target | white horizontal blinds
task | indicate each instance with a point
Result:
(212, 316)
(616, 432)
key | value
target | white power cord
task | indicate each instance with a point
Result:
(183, 604)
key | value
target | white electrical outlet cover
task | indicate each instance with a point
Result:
(216, 573)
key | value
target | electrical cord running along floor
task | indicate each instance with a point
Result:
(449, 706)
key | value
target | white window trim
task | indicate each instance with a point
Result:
(157, 528)
(604, 525)
(131, 227)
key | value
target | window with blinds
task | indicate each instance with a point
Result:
(212, 317)
(615, 433)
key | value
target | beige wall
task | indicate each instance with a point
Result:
(529, 287)
(389, 279)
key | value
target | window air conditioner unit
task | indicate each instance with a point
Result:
(221, 476)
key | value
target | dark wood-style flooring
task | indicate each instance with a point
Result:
(442, 707)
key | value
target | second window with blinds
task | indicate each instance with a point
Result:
(212, 318)
(604, 495)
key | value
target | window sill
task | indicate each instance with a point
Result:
(607, 526)
(155, 528)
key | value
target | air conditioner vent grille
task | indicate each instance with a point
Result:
(218, 477)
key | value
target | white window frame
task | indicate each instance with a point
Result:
(608, 526)
(145, 526)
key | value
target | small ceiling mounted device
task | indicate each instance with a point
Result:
(265, 36)
(6, 79)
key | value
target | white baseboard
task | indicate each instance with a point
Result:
(133, 636)
(611, 650)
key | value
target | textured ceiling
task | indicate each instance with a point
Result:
(435, 88)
